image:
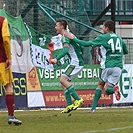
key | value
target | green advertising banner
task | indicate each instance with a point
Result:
(87, 79)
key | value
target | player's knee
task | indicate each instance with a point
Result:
(9, 87)
(101, 85)
(61, 81)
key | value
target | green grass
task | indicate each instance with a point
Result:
(119, 120)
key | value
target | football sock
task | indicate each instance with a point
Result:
(10, 103)
(73, 92)
(109, 91)
(68, 97)
(96, 98)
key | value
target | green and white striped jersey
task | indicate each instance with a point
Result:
(75, 52)
(112, 49)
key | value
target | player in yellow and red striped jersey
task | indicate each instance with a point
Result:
(6, 77)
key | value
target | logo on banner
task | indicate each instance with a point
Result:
(32, 80)
(32, 77)
(125, 82)
(18, 35)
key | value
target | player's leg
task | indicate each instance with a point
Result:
(74, 72)
(112, 81)
(98, 91)
(109, 89)
(6, 80)
(65, 83)
(97, 95)
(78, 101)
(113, 89)
(10, 105)
(71, 72)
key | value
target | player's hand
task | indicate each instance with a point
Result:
(53, 61)
(8, 64)
(68, 35)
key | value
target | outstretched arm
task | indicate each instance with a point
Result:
(81, 42)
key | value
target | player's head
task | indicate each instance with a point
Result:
(108, 26)
(61, 24)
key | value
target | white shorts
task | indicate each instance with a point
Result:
(72, 71)
(111, 76)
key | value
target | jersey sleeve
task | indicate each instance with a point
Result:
(125, 50)
(93, 43)
(66, 44)
(97, 41)
(5, 29)
(82, 42)
(6, 38)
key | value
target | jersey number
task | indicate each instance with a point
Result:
(116, 46)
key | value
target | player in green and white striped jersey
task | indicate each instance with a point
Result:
(112, 49)
(75, 52)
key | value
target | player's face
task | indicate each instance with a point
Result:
(58, 28)
(105, 29)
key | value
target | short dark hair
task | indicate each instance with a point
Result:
(63, 23)
(109, 24)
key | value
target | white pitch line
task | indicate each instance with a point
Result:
(110, 129)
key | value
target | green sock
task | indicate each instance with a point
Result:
(68, 97)
(73, 92)
(96, 98)
(109, 91)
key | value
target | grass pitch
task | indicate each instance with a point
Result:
(118, 120)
